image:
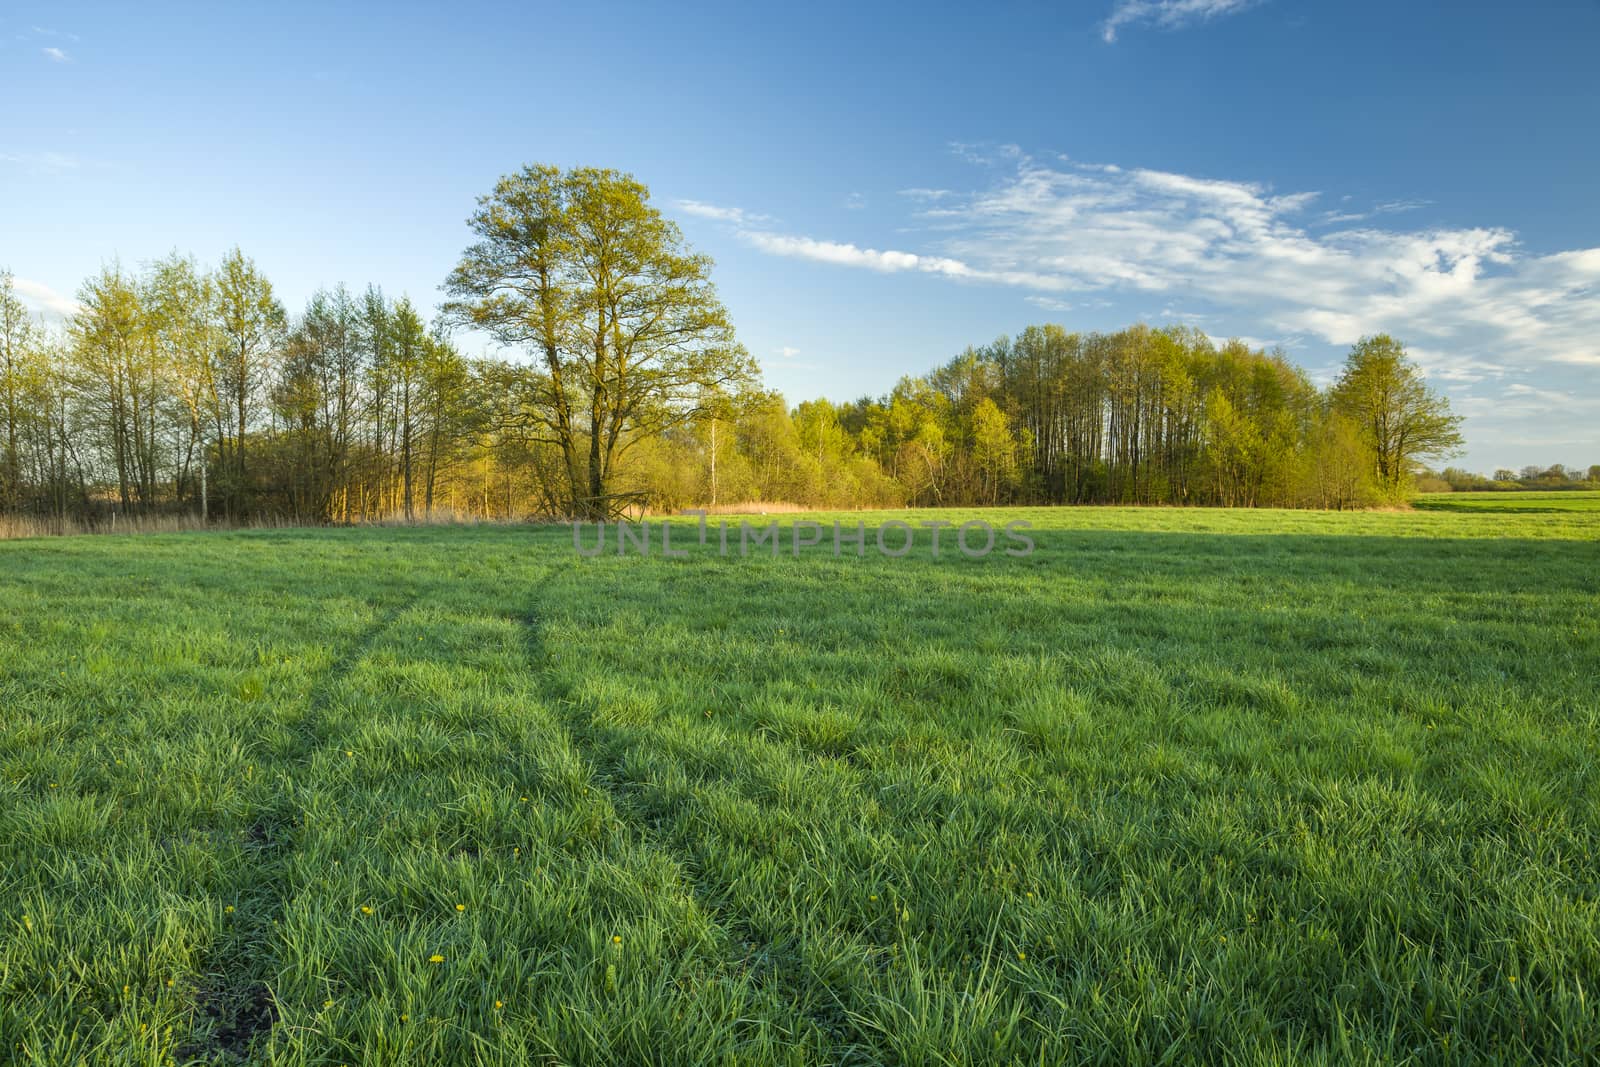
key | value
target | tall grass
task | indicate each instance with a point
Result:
(1182, 786)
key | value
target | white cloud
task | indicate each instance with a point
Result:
(788, 352)
(889, 261)
(1474, 304)
(734, 215)
(985, 153)
(855, 202)
(45, 300)
(1168, 14)
(55, 55)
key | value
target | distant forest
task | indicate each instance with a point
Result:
(177, 389)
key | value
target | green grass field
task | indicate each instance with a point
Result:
(1564, 500)
(1237, 787)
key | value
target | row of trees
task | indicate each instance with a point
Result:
(177, 388)
(1533, 476)
(181, 389)
(1140, 416)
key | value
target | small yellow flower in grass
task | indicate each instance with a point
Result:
(1511, 978)
(524, 800)
(169, 983)
(874, 896)
(366, 909)
(498, 1005)
(1022, 955)
(349, 752)
(616, 939)
(461, 907)
(435, 958)
(124, 989)
(404, 1017)
(228, 908)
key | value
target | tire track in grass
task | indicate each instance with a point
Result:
(744, 954)
(237, 1000)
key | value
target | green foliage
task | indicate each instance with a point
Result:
(1401, 419)
(181, 387)
(582, 273)
(1184, 785)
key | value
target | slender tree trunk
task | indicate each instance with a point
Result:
(205, 500)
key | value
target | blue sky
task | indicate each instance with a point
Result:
(880, 185)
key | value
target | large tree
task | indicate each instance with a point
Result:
(628, 335)
(1402, 420)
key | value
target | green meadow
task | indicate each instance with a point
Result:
(1181, 785)
(1500, 502)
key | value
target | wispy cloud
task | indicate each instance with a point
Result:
(51, 305)
(891, 261)
(855, 202)
(1168, 14)
(1391, 207)
(788, 352)
(56, 55)
(738, 216)
(984, 153)
(1474, 304)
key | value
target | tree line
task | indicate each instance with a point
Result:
(1145, 416)
(181, 389)
(176, 389)
(1533, 476)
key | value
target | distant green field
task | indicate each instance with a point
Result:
(1180, 786)
(1554, 501)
